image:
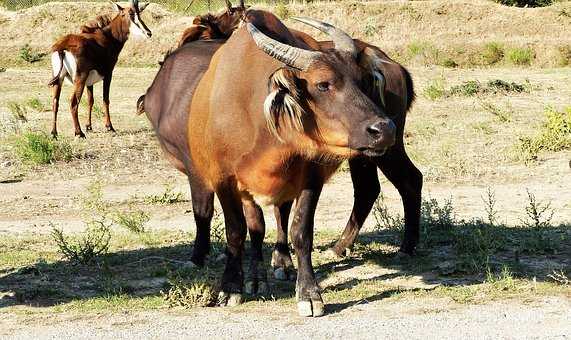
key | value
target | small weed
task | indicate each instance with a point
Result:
(84, 249)
(521, 56)
(133, 220)
(448, 62)
(493, 53)
(199, 289)
(2, 69)
(27, 54)
(559, 277)
(538, 215)
(436, 221)
(93, 201)
(40, 148)
(502, 281)
(475, 242)
(423, 52)
(384, 219)
(35, 104)
(435, 89)
(564, 55)
(503, 115)
(96, 110)
(468, 88)
(18, 111)
(555, 136)
(169, 196)
(501, 86)
(490, 206)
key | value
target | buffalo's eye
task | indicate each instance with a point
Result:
(323, 86)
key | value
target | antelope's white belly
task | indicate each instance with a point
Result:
(70, 68)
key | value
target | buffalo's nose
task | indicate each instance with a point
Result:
(382, 128)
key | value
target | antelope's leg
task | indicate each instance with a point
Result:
(90, 102)
(79, 85)
(55, 105)
(106, 89)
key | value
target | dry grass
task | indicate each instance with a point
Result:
(444, 29)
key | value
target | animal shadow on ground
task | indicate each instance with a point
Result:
(448, 256)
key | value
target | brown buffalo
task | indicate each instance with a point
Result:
(89, 57)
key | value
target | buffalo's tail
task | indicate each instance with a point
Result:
(141, 105)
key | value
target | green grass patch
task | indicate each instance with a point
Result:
(435, 89)
(27, 54)
(37, 148)
(554, 136)
(520, 56)
(492, 53)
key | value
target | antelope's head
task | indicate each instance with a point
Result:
(131, 18)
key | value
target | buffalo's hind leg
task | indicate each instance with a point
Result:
(282, 264)
(236, 229)
(407, 179)
(366, 190)
(256, 280)
(203, 209)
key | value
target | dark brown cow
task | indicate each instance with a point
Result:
(89, 57)
(246, 143)
(214, 26)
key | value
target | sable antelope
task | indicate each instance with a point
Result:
(88, 57)
(214, 26)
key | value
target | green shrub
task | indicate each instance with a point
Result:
(40, 148)
(435, 89)
(198, 289)
(383, 218)
(467, 88)
(27, 54)
(499, 85)
(84, 249)
(133, 220)
(493, 53)
(521, 56)
(555, 135)
(525, 3)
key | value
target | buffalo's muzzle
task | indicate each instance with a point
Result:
(382, 134)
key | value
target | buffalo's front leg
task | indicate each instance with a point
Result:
(282, 265)
(308, 293)
(401, 172)
(256, 280)
(366, 190)
(233, 277)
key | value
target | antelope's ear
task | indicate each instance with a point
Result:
(282, 107)
(143, 6)
(116, 6)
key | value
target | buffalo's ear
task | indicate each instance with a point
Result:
(372, 61)
(282, 107)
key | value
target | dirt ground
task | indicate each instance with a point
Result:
(462, 149)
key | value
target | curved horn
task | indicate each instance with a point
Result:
(228, 4)
(289, 55)
(242, 5)
(134, 4)
(342, 40)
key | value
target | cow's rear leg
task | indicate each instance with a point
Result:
(407, 179)
(90, 102)
(366, 190)
(233, 277)
(55, 105)
(203, 209)
(256, 279)
(282, 264)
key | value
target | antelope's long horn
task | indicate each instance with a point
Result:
(242, 4)
(134, 4)
(342, 40)
(228, 4)
(289, 55)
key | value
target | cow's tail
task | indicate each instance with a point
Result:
(141, 105)
(56, 79)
